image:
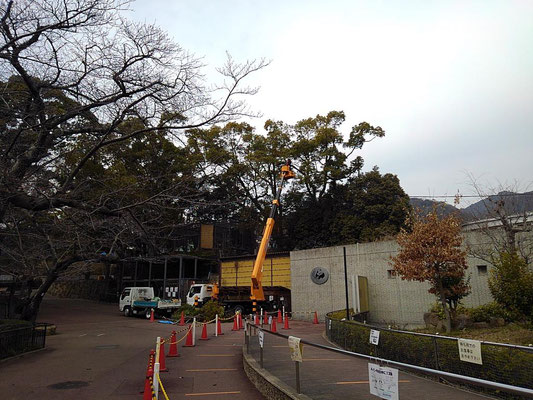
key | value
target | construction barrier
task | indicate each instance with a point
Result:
(157, 358)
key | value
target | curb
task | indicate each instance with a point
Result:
(22, 354)
(269, 386)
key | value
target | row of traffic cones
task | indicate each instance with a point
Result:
(148, 393)
(280, 319)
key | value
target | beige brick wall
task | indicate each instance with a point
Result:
(391, 301)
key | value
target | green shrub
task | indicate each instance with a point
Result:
(8, 324)
(210, 309)
(487, 311)
(340, 314)
(437, 309)
(188, 311)
(511, 284)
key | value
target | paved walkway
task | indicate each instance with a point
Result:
(100, 354)
(329, 375)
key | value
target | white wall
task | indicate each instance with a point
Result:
(391, 301)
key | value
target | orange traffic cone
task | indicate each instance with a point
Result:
(147, 394)
(188, 341)
(286, 325)
(257, 322)
(204, 333)
(240, 321)
(219, 328)
(315, 320)
(173, 347)
(182, 319)
(162, 363)
(265, 318)
(280, 318)
(273, 326)
(235, 323)
(152, 316)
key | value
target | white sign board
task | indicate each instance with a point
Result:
(470, 351)
(374, 336)
(261, 336)
(296, 348)
(383, 381)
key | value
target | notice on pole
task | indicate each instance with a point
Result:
(383, 381)
(470, 351)
(261, 336)
(374, 336)
(296, 348)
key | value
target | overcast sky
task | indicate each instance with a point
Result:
(451, 82)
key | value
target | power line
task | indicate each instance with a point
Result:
(445, 196)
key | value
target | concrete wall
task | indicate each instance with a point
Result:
(391, 299)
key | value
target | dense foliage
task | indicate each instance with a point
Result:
(431, 252)
(511, 284)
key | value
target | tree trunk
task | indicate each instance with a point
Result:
(447, 315)
(31, 308)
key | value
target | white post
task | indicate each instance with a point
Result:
(194, 331)
(156, 368)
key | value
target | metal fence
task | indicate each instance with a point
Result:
(328, 372)
(501, 363)
(20, 340)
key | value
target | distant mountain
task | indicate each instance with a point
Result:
(424, 207)
(513, 203)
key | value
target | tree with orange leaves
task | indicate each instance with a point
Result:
(431, 252)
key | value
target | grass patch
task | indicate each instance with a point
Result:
(8, 324)
(514, 333)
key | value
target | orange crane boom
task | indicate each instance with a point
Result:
(257, 272)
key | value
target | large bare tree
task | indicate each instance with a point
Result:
(79, 84)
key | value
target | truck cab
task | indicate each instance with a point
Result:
(132, 294)
(204, 291)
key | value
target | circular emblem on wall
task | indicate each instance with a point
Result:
(319, 275)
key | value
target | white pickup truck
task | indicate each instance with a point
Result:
(141, 301)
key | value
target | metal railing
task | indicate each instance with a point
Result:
(20, 340)
(274, 357)
(509, 368)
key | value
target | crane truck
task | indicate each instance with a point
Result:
(239, 298)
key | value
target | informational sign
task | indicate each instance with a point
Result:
(271, 298)
(261, 336)
(374, 336)
(470, 351)
(383, 381)
(296, 348)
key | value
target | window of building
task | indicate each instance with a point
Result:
(391, 274)
(482, 270)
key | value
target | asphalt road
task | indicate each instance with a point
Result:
(100, 354)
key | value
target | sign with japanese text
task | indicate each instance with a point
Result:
(374, 336)
(470, 351)
(383, 381)
(296, 348)
(261, 336)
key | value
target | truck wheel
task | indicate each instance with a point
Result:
(148, 313)
(127, 312)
